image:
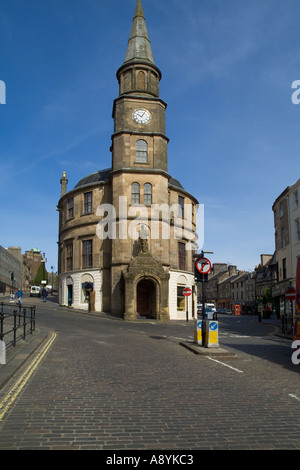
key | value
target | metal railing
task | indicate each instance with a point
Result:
(15, 323)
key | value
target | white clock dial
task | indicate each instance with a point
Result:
(141, 116)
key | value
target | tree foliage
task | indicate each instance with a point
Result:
(40, 275)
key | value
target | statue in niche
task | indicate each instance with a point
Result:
(143, 239)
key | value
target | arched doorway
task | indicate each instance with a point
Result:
(69, 283)
(146, 304)
(87, 291)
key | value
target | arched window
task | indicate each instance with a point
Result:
(141, 151)
(147, 194)
(141, 80)
(135, 193)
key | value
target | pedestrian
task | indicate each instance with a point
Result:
(19, 296)
(44, 294)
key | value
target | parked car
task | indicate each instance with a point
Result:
(227, 311)
(35, 291)
(224, 311)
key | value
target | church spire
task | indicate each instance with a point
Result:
(139, 46)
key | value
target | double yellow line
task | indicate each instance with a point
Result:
(13, 393)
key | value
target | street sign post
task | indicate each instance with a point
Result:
(202, 268)
(203, 265)
(212, 340)
(187, 292)
(198, 332)
(290, 294)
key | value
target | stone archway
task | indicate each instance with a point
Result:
(146, 298)
(146, 274)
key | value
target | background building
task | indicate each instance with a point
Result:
(10, 272)
(286, 209)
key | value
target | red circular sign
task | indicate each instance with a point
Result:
(187, 291)
(203, 265)
(290, 293)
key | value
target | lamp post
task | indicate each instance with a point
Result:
(44, 269)
(12, 281)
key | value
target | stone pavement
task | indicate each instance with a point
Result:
(17, 355)
(113, 385)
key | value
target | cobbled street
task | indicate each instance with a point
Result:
(106, 384)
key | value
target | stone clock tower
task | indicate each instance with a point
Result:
(142, 269)
(138, 111)
(139, 143)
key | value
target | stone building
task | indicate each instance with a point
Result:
(10, 272)
(227, 286)
(218, 272)
(243, 292)
(127, 233)
(286, 209)
(31, 262)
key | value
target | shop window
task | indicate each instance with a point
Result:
(180, 298)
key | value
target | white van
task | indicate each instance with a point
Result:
(35, 291)
(211, 306)
(208, 306)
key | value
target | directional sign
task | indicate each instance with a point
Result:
(213, 326)
(187, 291)
(290, 293)
(203, 265)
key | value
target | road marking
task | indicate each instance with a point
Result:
(276, 329)
(294, 396)
(233, 335)
(226, 365)
(13, 393)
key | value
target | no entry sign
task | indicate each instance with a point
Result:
(187, 291)
(290, 294)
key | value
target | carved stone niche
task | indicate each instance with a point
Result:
(146, 267)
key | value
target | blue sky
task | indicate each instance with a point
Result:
(227, 71)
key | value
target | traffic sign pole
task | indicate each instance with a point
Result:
(187, 309)
(290, 295)
(187, 292)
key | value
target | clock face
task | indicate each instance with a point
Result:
(141, 116)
